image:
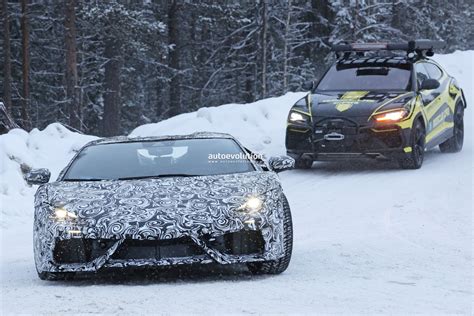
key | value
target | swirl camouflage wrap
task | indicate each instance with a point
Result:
(158, 221)
(281, 163)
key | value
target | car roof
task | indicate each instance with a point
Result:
(128, 139)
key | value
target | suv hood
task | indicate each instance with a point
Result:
(356, 104)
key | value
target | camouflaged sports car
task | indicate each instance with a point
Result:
(373, 103)
(141, 202)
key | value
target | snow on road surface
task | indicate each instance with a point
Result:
(369, 238)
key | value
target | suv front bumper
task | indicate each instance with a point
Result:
(343, 138)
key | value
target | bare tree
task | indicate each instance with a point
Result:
(396, 21)
(264, 47)
(111, 119)
(285, 46)
(355, 28)
(6, 121)
(25, 44)
(7, 67)
(71, 64)
(174, 58)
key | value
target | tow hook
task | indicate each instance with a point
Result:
(333, 136)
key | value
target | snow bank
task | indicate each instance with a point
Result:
(50, 148)
(259, 125)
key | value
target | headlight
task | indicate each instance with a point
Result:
(62, 214)
(252, 205)
(297, 117)
(392, 116)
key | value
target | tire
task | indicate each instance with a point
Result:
(55, 276)
(303, 163)
(414, 159)
(279, 265)
(454, 144)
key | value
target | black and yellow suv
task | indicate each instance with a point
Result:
(375, 102)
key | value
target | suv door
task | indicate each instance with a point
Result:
(434, 108)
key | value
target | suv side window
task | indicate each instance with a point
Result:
(433, 71)
(421, 73)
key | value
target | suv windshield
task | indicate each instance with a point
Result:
(182, 157)
(365, 78)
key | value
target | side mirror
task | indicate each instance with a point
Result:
(38, 176)
(429, 84)
(308, 85)
(281, 163)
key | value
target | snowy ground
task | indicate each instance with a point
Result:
(369, 238)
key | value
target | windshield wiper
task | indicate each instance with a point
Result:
(166, 175)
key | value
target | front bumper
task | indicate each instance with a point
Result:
(343, 138)
(78, 254)
(71, 248)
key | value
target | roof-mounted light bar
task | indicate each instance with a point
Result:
(360, 47)
(411, 46)
(365, 46)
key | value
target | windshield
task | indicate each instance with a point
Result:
(183, 157)
(365, 78)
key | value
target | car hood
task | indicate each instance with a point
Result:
(132, 207)
(356, 104)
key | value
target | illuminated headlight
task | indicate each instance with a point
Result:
(392, 116)
(61, 214)
(297, 117)
(252, 204)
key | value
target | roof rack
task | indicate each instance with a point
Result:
(395, 62)
(420, 48)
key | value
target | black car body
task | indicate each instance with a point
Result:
(158, 201)
(373, 103)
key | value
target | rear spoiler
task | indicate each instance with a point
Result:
(420, 47)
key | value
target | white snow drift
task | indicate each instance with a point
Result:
(369, 238)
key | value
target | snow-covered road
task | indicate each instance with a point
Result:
(369, 238)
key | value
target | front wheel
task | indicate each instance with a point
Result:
(414, 159)
(279, 265)
(454, 144)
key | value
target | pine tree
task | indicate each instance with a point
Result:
(25, 44)
(71, 64)
(7, 77)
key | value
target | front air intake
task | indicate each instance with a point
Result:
(157, 249)
(245, 242)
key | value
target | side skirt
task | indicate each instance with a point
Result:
(440, 138)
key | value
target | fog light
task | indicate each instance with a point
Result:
(74, 232)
